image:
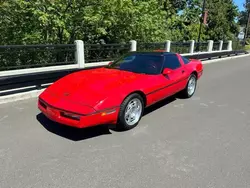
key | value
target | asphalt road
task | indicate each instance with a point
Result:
(201, 142)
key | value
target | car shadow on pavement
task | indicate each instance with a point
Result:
(153, 108)
(76, 134)
(72, 133)
(159, 105)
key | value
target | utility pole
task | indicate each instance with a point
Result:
(199, 35)
(248, 20)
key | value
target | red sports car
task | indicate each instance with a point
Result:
(119, 93)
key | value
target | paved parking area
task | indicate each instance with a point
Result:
(201, 142)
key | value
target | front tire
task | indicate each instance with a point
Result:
(190, 88)
(131, 111)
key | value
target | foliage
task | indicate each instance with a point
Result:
(221, 20)
(139, 20)
(248, 41)
(243, 18)
(62, 21)
(243, 15)
(247, 47)
(116, 21)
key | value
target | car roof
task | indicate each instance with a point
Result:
(161, 53)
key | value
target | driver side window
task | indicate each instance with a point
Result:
(171, 62)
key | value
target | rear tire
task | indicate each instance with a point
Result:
(190, 88)
(131, 111)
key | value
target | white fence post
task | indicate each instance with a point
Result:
(79, 54)
(221, 45)
(210, 45)
(133, 45)
(191, 50)
(168, 46)
(229, 46)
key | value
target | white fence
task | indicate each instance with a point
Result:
(81, 61)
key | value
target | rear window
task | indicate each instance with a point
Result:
(185, 60)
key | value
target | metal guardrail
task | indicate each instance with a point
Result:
(104, 52)
(26, 82)
(224, 46)
(21, 57)
(14, 57)
(217, 55)
(203, 46)
(39, 79)
(216, 46)
(150, 46)
(181, 47)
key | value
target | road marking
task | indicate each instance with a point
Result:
(196, 98)
(18, 108)
(222, 105)
(203, 104)
(240, 111)
(4, 117)
(179, 106)
(103, 149)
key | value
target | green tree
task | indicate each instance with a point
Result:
(45, 21)
(63, 21)
(123, 20)
(243, 16)
(221, 20)
(190, 19)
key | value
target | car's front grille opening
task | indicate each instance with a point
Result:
(70, 116)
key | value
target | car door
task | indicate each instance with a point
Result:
(177, 76)
(156, 88)
(162, 86)
(165, 85)
(185, 71)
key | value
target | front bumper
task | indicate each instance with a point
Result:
(83, 120)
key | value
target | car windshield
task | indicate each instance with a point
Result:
(140, 63)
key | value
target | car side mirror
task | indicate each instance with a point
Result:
(167, 71)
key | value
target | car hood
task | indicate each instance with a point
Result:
(89, 87)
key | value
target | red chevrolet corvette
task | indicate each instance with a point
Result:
(119, 93)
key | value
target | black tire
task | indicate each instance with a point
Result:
(184, 93)
(122, 124)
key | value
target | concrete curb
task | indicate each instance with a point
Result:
(36, 93)
(20, 96)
